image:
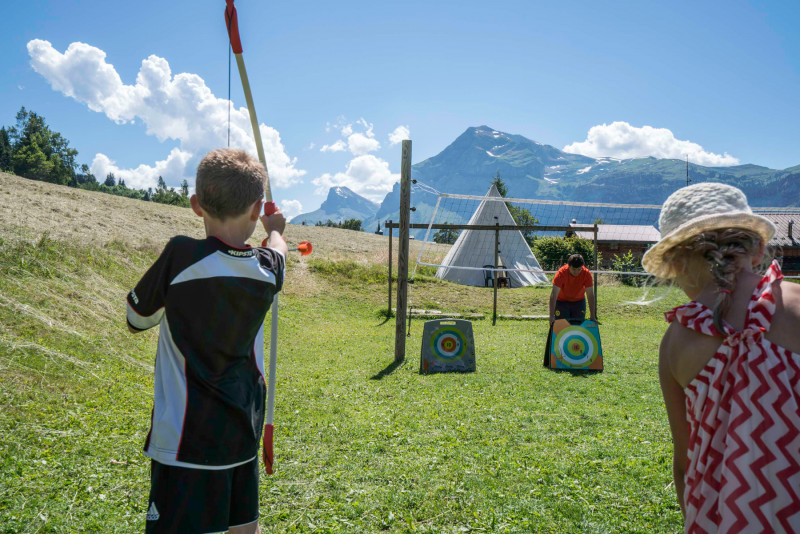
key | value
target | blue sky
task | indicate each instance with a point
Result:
(336, 85)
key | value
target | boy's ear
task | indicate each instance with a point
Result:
(255, 211)
(195, 206)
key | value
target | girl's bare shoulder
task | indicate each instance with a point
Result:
(790, 296)
(785, 328)
(685, 352)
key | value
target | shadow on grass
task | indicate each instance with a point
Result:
(389, 369)
(386, 315)
(579, 373)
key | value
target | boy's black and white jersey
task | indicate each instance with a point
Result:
(210, 300)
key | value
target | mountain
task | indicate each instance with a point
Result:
(538, 171)
(341, 204)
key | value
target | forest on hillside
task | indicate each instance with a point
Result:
(31, 149)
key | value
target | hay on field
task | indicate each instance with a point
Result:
(29, 209)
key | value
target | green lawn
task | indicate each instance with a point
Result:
(361, 445)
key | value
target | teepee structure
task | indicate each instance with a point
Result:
(475, 249)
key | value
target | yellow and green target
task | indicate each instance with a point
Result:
(448, 344)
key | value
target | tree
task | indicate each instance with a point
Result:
(40, 153)
(111, 180)
(445, 236)
(552, 252)
(167, 195)
(628, 263)
(351, 224)
(85, 177)
(184, 188)
(5, 150)
(500, 185)
(521, 216)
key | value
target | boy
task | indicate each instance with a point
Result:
(210, 298)
(569, 295)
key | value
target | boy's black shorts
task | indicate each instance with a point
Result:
(571, 310)
(199, 501)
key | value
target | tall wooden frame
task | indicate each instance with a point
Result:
(402, 276)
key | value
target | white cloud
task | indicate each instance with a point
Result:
(143, 176)
(180, 108)
(367, 127)
(399, 134)
(338, 146)
(367, 175)
(358, 137)
(360, 144)
(291, 208)
(621, 140)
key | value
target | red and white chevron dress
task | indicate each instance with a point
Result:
(743, 412)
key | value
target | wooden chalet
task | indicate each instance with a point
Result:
(619, 239)
(786, 242)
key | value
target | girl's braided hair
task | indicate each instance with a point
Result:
(722, 249)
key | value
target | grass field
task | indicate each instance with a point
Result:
(361, 445)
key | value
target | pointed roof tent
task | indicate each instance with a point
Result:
(475, 248)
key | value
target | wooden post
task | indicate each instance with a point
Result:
(596, 268)
(402, 255)
(494, 273)
(389, 309)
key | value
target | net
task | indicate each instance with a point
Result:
(519, 241)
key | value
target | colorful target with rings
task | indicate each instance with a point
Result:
(448, 344)
(577, 347)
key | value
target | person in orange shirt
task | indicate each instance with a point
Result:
(569, 295)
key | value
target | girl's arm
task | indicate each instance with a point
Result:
(675, 402)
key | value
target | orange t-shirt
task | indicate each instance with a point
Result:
(573, 288)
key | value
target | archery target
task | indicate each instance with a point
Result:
(447, 345)
(575, 345)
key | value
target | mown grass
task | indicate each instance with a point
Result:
(361, 445)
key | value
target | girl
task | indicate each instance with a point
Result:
(729, 365)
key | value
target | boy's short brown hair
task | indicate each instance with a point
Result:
(575, 260)
(228, 182)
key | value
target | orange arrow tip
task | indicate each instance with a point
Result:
(305, 248)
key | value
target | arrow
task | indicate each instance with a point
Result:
(303, 247)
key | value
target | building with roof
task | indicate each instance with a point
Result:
(786, 242)
(619, 239)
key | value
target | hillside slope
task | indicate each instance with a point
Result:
(30, 209)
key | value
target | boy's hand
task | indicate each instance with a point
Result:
(275, 222)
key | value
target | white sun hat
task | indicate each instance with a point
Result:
(699, 208)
